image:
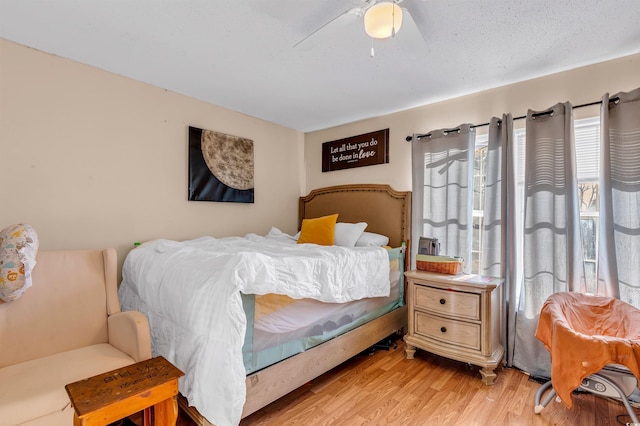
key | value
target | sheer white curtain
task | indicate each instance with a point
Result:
(443, 190)
(619, 243)
(552, 245)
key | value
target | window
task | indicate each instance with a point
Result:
(587, 137)
(479, 180)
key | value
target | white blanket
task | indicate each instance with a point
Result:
(190, 292)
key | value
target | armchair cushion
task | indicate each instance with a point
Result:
(38, 385)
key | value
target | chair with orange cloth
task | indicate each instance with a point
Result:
(594, 343)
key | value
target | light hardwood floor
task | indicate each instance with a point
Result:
(387, 389)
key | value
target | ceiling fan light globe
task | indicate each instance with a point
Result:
(383, 20)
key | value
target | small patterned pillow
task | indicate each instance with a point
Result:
(18, 249)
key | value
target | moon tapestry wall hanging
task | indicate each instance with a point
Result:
(220, 167)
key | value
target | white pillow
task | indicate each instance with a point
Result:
(370, 239)
(278, 235)
(346, 234)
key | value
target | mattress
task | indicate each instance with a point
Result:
(283, 326)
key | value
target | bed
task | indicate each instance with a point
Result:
(327, 341)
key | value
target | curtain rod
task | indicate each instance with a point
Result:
(615, 99)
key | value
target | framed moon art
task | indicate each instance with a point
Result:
(220, 167)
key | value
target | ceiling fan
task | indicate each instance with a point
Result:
(381, 19)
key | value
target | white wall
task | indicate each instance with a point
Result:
(579, 86)
(91, 159)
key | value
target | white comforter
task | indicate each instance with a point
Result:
(190, 292)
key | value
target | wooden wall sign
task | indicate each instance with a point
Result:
(357, 151)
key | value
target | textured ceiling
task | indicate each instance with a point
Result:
(240, 54)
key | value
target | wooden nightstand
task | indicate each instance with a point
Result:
(456, 316)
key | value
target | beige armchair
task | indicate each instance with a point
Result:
(68, 326)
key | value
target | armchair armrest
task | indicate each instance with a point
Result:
(129, 332)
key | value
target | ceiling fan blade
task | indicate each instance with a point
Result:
(416, 18)
(410, 36)
(355, 11)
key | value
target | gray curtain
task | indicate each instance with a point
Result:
(495, 201)
(500, 243)
(493, 244)
(552, 245)
(443, 190)
(619, 242)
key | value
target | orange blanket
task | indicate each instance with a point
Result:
(583, 333)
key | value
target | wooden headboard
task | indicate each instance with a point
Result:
(387, 212)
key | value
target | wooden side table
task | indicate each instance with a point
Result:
(458, 317)
(111, 396)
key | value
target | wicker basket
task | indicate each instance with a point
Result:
(439, 264)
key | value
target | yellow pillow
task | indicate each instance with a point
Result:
(319, 230)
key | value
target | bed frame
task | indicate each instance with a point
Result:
(387, 212)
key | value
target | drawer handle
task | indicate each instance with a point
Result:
(443, 329)
(442, 301)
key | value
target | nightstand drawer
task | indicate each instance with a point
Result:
(448, 303)
(448, 331)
